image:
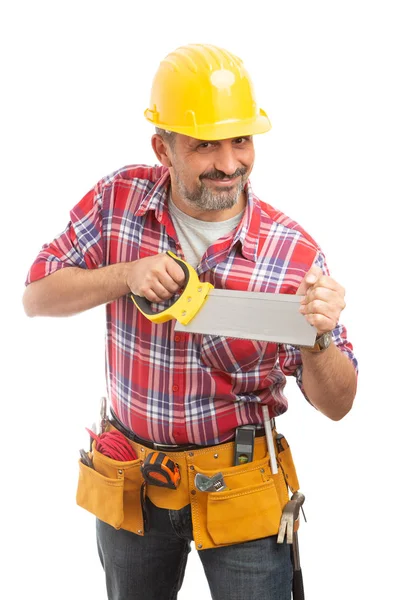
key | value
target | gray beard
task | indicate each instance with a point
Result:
(204, 199)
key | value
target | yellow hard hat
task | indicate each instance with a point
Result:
(205, 92)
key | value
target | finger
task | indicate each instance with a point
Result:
(310, 278)
(320, 322)
(169, 283)
(155, 292)
(333, 298)
(329, 283)
(318, 294)
(161, 291)
(175, 271)
(319, 307)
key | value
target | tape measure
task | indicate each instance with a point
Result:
(158, 469)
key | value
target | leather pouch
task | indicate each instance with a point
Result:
(249, 509)
(112, 491)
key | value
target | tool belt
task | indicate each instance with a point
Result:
(250, 508)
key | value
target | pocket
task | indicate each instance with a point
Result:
(244, 514)
(232, 355)
(100, 495)
(114, 488)
(249, 509)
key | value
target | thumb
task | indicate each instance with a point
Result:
(309, 279)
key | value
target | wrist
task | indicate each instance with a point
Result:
(125, 275)
(322, 342)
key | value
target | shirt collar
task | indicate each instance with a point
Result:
(157, 196)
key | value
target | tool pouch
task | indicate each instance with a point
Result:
(112, 491)
(249, 509)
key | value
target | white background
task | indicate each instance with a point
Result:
(334, 78)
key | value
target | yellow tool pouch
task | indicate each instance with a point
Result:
(111, 491)
(250, 508)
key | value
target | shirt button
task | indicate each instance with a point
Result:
(175, 388)
(177, 338)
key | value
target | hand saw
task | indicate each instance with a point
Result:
(248, 315)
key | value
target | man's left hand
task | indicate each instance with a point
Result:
(323, 300)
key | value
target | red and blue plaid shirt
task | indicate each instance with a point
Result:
(183, 388)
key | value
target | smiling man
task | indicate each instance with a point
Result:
(183, 396)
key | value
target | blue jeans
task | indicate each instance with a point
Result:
(151, 567)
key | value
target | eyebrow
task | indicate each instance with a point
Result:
(194, 141)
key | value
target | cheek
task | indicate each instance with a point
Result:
(191, 170)
(250, 160)
(246, 160)
(187, 176)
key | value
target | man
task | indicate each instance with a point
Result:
(189, 393)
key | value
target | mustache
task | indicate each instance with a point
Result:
(217, 174)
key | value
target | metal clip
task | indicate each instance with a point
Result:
(103, 415)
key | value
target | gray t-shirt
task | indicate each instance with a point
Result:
(195, 236)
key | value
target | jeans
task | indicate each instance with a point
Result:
(151, 567)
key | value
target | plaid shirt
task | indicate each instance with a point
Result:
(186, 388)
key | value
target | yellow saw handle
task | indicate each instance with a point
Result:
(186, 306)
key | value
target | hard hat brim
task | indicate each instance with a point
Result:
(218, 131)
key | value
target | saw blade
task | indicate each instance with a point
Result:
(252, 316)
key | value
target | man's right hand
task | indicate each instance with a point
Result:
(157, 278)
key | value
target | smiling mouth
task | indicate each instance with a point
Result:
(223, 182)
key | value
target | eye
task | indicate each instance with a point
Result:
(241, 140)
(206, 146)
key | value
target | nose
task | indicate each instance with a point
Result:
(225, 158)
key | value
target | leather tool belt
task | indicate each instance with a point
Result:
(250, 508)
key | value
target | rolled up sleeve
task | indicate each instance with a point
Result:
(79, 245)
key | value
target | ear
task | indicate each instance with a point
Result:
(161, 150)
